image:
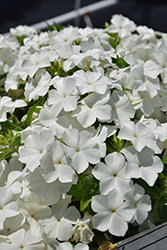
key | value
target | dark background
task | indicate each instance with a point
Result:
(143, 12)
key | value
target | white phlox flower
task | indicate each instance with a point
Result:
(55, 165)
(141, 100)
(23, 239)
(143, 164)
(60, 225)
(8, 106)
(161, 57)
(138, 134)
(82, 59)
(121, 109)
(68, 50)
(6, 167)
(8, 208)
(65, 36)
(22, 30)
(12, 224)
(145, 77)
(112, 173)
(121, 25)
(92, 107)
(63, 97)
(33, 212)
(7, 59)
(37, 40)
(140, 201)
(37, 86)
(34, 148)
(83, 229)
(112, 212)
(79, 146)
(67, 245)
(91, 82)
(49, 192)
(36, 61)
(100, 137)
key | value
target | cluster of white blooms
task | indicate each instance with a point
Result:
(86, 108)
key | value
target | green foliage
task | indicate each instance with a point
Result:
(84, 190)
(20, 39)
(32, 107)
(9, 144)
(114, 144)
(114, 39)
(120, 62)
(56, 68)
(3, 76)
(55, 26)
(164, 161)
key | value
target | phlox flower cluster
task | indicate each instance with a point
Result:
(83, 120)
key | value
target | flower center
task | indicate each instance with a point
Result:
(113, 211)
(134, 204)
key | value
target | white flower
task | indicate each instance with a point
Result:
(112, 174)
(7, 58)
(140, 201)
(8, 208)
(37, 86)
(121, 25)
(143, 164)
(67, 245)
(91, 82)
(23, 239)
(7, 105)
(161, 57)
(63, 96)
(142, 100)
(12, 224)
(22, 30)
(33, 211)
(80, 148)
(65, 36)
(34, 148)
(50, 192)
(138, 134)
(122, 110)
(36, 61)
(91, 108)
(82, 59)
(112, 213)
(60, 224)
(146, 77)
(83, 229)
(55, 165)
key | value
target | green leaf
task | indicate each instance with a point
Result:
(3, 76)
(164, 161)
(29, 116)
(9, 144)
(9, 125)
(84, 190)
(120, 62)
(84, 204)
(55, 26)
(114, 39)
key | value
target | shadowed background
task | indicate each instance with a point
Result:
(143, 12)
